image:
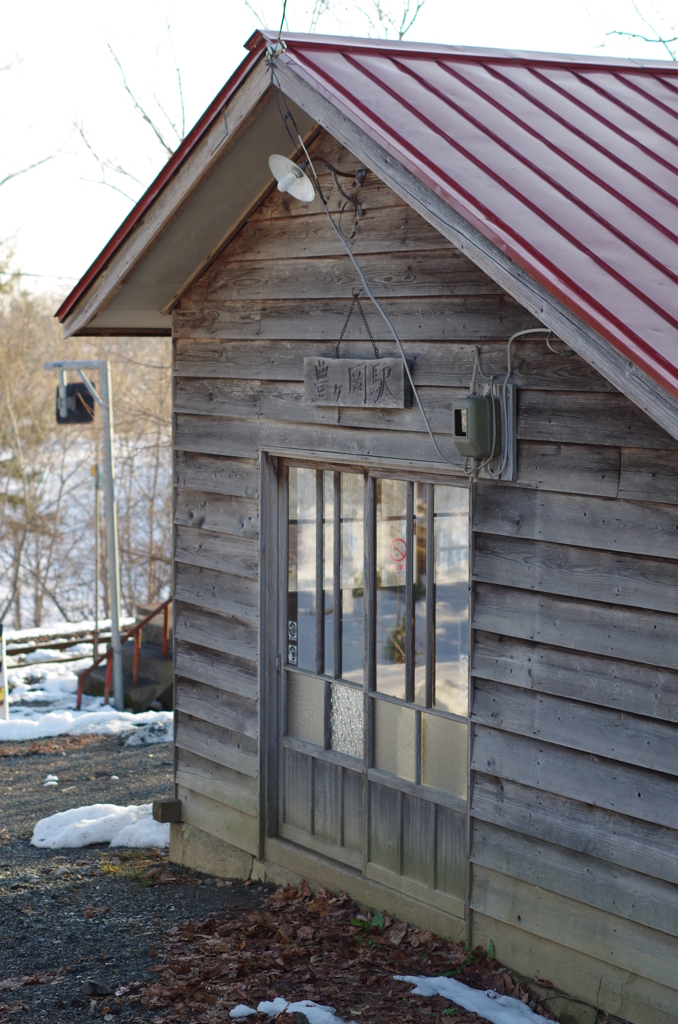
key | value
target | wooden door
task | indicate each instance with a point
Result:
(374, 703)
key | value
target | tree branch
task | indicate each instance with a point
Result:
(24, 170)
(137, 106)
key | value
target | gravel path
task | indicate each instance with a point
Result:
(77, 925)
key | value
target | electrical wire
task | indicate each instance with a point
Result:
(477, 367)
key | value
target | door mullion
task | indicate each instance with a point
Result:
(319, 581)
(409, 596)
(336, 580)
(430, 596)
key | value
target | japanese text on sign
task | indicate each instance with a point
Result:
(371, 383)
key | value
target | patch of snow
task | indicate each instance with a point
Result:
(315, 1013)
(101, 823)
(485, 1002)
(51, 780)
(154, 732)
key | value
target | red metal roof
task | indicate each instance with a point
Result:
(568, 164)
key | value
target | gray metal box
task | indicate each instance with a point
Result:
(472, 429)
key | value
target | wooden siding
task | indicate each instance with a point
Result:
(575, 663)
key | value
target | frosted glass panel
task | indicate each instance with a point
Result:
(394, 739)
(352, 572)
(305, 703)
(301, 610)
(346, 720)
(451, 610)
(443, 754)
(391, 594)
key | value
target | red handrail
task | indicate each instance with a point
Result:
(107, 656)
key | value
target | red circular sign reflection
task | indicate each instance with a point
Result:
(397, 549)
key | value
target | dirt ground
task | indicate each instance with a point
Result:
(95, 933)
(101, 923)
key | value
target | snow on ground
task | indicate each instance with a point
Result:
(101, 823)
(486, 1003)
(42, 702)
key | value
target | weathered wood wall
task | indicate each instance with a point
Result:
(575, 660)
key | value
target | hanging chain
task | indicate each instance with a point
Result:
(356, 302)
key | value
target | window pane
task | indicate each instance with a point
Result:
(419, 593)
(305, 709)
(391, 596)
(451, 588)
(352, 487)
(346, 720)
(443, 754)
(328, 566)
(301, 569)
(394, 739)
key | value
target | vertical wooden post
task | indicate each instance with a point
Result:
(336, 581)
(369, 655)
(319, 567)
(165, 631)
(137, 651)
(430, 595)
(409, 595)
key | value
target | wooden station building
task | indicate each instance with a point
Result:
(453, 696)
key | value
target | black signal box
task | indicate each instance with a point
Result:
(79, 405)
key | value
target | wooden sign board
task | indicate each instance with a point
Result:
(356, 383)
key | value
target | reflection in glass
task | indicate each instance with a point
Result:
(391, 639)
(352, 569)
(328, 566)
(419, 593)
(451, 609)
(301, 609)
(346, 720)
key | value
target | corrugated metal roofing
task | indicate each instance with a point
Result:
(569, 165)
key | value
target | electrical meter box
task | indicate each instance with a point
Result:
(79, 405)
(472, 429)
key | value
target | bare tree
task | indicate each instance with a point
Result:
(666, 40)
(390, 23)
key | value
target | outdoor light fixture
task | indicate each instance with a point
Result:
(476, 426)
(291, 178)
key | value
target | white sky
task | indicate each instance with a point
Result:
(58, 217)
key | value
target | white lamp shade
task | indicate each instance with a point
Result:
(291, 178)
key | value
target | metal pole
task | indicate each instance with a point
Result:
(112, 532)
(97, 517)
(3, 675)
(104, 401)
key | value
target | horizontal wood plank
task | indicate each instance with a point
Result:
(616, 735)
(582, 418)
(595, 780)
(646, 477)
(238, 556)
(546, 817)
(217, 591)
(208, 435)
(591, 984)
(610, 576)
(237, 398)
(436, 897)
(224, 633)
(217, 475)
(438, 272)
(575, 468)
(217, 744)
(219, 513)
(623, 633)
(217, 782)
(218, 706)
(626, 686)
(453, 318)
(217, 819)
(640, 528)
(390, 229)
(234, 675)
(448, 365)
(632, 947)
(616, 890)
